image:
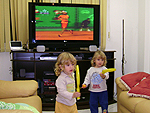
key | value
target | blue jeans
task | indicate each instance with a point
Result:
(98, 97)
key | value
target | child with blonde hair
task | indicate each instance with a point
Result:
(65, 83)
(97, 82)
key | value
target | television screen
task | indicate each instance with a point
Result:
(63, 25)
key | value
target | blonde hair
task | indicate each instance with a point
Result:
(63, 59)
(99, 54)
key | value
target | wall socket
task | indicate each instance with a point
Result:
(108, 34)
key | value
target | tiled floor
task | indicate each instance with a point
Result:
(111, 108)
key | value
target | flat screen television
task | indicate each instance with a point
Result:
(63, 26)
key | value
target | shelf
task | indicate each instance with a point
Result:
(30, 62)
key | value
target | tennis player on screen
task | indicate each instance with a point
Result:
(64, 22)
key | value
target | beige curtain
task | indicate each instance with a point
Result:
(14, 20)
(103, 15)
(4, 25)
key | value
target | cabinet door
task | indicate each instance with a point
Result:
(23, 70)
(43, 66)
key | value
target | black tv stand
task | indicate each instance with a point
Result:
(36, 70)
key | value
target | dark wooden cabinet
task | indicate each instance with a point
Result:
(28, 66)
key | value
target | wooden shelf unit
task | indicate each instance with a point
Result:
(35, 68)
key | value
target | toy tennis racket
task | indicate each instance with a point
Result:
(108, 70)
(78, 80)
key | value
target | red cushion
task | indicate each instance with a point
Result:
(142, 89)
(130, 80)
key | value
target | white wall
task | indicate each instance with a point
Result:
(136, 15)
(137, 53)
(5, 66)
(141, 34)
(147, 39)
(127, 10)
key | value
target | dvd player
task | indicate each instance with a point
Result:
(48, 57)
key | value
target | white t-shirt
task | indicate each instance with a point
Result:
(97, 84)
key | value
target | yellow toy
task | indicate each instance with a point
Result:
(78, 80)
(108, 70)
